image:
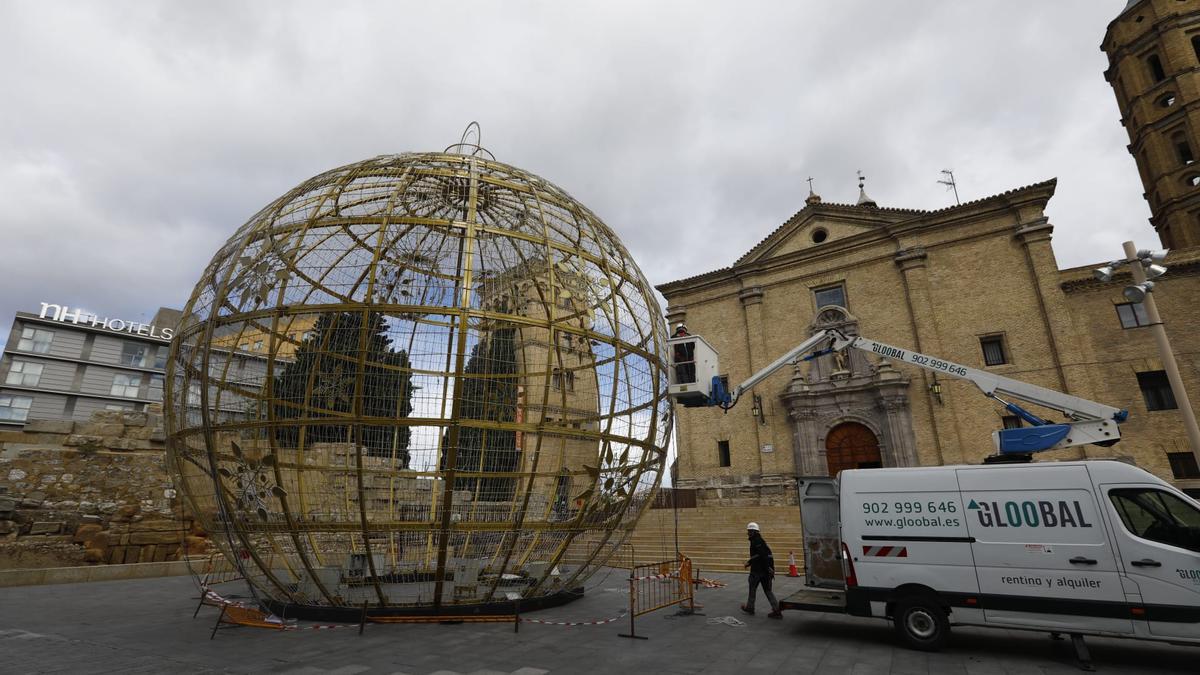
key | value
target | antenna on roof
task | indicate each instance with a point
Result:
(948, 181)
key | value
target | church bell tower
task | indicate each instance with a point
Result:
(1153, 50)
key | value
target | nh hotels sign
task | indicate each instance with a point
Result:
(66, 314)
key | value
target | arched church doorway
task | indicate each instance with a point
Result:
(851, 445)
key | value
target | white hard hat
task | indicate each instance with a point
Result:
(752, 526)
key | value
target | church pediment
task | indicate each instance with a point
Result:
(803, 233)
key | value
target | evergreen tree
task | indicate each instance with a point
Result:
(489, 393)
(328, 359)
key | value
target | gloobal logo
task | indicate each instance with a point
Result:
(1040, 513)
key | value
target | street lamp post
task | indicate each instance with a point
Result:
(1142, 291)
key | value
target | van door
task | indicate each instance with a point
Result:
(1041, 550)
(1158, 539)
(819, 518)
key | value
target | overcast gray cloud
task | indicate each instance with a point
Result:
(136, 136)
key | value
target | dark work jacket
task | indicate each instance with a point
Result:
(761, 559)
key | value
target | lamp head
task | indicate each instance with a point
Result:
(1103, 273)
(1154, 256)
(1154, 271)
(1137, 292)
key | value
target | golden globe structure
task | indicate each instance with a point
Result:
(463, 399)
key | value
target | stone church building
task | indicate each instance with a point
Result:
(977, 284)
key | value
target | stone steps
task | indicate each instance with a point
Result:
(715, 537)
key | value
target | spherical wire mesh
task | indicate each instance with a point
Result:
(417, 381)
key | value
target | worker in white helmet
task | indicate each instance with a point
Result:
(762, 571)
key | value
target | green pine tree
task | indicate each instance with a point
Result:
(488, 393)
(329, 360)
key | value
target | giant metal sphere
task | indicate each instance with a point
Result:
(416, 381)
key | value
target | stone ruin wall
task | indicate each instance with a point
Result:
(79, 493)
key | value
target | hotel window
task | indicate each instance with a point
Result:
(35, 340)
(133, 354)
(258, 345)
(1183, 465)
(117, 406)
(723, 453)
(994, 353)
(24, 374)
(1156, 390)
(563, 379)
(126, 385)
(193, 395)
(160, 357)
(830, 295)
(1132, 315)
(15, 408)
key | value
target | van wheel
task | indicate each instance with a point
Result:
(921, 623)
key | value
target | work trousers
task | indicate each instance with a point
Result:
(765, 580)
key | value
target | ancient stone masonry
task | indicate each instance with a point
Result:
(91, 492)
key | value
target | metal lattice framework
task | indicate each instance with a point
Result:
(416, 381)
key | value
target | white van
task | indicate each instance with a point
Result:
(1085, 548)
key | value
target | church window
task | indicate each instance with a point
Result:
(1192, 179)
(1156, 390)
(819, 235)
(1166, 100)
(1182, 148)
(563, 380)
(1156, 68)
(1183, 465)
(723, 453)
(1132, 315)
(830, 295)
(1196, 46)
(994, 353)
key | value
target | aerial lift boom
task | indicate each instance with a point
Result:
(695, 382)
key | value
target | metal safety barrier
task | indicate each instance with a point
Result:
(655, 586)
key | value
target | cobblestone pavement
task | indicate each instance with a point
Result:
(146, 626)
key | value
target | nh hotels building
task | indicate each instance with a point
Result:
(62, 364)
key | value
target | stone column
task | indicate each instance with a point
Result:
(1053, 312)
(912, 261)
(806, 442)
(685, 467)
(675, 316)
(896, 416)
(756, 357)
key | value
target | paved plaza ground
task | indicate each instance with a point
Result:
(146, 626)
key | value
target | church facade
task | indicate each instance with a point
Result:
(977, 284)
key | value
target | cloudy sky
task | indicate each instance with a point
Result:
(135, 137)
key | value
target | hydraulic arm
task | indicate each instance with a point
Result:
(694, 382)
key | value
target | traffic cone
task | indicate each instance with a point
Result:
(792, 571)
